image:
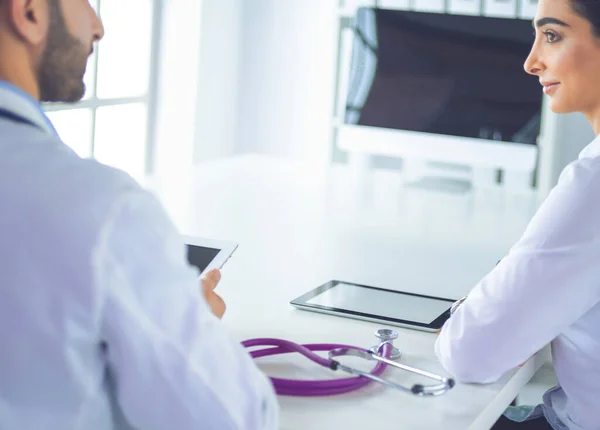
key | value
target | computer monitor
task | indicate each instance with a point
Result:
(444, 87)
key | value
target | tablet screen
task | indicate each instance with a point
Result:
(383, 303)
(200, 256)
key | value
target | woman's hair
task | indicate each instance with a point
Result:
(590, 10)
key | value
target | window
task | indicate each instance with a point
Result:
(113, 121)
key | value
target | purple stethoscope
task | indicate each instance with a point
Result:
(383, 354)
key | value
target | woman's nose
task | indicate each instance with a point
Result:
(532, 64)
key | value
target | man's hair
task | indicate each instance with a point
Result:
(588, 9)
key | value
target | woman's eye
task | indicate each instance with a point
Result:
(551, 37)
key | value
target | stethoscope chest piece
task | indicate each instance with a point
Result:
(386, 335)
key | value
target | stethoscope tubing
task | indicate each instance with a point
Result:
(292, 387)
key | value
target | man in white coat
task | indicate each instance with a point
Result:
(102, 321)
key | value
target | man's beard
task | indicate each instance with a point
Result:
(62, 65)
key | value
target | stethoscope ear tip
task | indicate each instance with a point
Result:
(417, 389)
(421, 390)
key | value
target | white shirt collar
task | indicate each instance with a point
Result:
(592, 150)
(18, 102)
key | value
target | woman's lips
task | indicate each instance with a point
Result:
(550, 87)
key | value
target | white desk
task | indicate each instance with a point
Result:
(297, 231)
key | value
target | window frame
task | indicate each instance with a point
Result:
(149, 98)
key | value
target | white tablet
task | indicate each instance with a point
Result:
(379, 305)
(208, 254)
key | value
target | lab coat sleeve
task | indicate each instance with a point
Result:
(549, 279)
(173, 364)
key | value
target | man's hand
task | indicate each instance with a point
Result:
(209, 282)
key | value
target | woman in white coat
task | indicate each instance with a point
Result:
(547, 289)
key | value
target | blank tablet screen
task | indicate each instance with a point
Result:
(201, 256)
(383, 303)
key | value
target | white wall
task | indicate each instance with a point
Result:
(266, 78)
(217, 125)
(287, 77)
(177, 103)
(176, 113)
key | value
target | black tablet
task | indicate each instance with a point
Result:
(206, 254)
(380, 305)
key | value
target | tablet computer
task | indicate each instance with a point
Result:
(374, 304)
(207, 254)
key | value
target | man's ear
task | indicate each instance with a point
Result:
(29, 20)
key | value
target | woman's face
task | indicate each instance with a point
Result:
(566, 58)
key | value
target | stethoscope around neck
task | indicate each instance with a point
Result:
(383, 354)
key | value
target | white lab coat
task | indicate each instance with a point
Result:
(546, 290)
(102, 324)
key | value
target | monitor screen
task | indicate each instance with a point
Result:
(444, 74)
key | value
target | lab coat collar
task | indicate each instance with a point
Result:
(592, 150)
(18, 102)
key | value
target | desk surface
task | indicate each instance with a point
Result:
(298, 228)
